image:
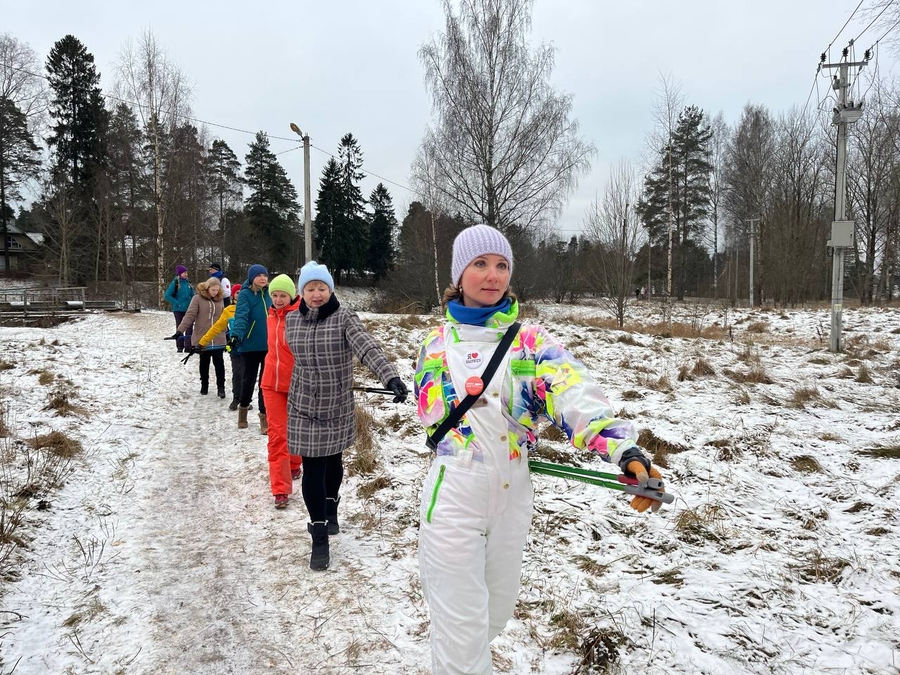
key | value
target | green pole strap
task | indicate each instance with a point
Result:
(611, 481)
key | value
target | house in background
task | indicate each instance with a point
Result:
(22, 247)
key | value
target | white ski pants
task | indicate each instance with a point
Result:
(474, 522)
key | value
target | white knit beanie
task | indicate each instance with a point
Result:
(476, 241)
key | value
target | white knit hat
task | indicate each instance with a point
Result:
(474, 242)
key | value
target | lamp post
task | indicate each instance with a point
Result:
(307, 221)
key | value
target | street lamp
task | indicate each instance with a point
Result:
(307, 221)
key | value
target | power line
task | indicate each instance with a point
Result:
(883, 9)
(223, 126)
(845, 25)
(814, 86)
(896, 23)
(371, 173)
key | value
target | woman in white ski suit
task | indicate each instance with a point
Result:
(477, 499)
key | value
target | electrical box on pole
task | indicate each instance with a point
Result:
(842, 234)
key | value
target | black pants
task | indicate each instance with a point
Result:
(214, 355)
(237, 375)
(184, 340)
(254, 363)
(322, 478)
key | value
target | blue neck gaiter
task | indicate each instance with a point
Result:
(476, 316)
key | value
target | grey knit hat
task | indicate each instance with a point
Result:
(476, 241)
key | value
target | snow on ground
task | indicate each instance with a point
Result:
(162, 552)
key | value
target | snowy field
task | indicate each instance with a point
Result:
(155, 547)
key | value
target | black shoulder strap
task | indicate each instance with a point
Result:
(463, 406)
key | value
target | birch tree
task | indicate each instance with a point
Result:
(503, 143)
(149, 78)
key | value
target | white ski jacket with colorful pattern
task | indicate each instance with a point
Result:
(543, 379)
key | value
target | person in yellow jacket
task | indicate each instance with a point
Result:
(237, 363)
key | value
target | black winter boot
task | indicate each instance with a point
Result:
(204, 387)
(331, 506)
(319, 558)
(220, 390)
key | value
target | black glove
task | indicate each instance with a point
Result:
(233, 343)
(196, 349)
(178, 334)
(400, 391)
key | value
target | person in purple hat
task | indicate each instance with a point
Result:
(178, 295)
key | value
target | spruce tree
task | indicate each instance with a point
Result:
(78, 148)
(341, 223)
(333, 250)
(81, 120)
(354, 225)
(19, 161)
(271, 207)
(382, 230)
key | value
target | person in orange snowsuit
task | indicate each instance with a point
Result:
(284, 467)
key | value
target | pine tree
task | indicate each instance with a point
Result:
(226, 184)
(19, 161)
(382, 230)
(187, 196)
(688, 180)
(130, 194)
(272, 207)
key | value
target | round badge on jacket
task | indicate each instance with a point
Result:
(474, 359)
(474, 386)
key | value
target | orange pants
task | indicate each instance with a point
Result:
(281, 462)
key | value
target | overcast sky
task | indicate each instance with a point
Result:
(343, 65)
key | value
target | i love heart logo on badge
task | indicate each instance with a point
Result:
(474, 359)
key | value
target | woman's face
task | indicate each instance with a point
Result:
(214, 290)
(280, 299)
(183, 275)
(261, 280)
(484, 281)
(316, 293)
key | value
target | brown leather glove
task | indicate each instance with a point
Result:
(641, 504)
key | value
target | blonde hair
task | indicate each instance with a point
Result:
(205, 286)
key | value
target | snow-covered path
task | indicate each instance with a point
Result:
(188, 568)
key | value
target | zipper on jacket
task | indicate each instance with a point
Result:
(434, 494)
(277, 354)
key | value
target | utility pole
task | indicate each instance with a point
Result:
(841, 229)
(752, 257)
(307, 207)
(671, 230)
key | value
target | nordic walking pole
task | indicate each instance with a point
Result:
(374, 390)
(612, 481)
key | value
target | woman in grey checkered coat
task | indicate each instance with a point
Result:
(324, 338)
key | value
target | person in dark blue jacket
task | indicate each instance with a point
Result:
(250, 337)
(179, 294)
